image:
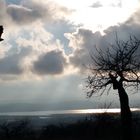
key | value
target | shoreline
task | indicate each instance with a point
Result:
(65, 112)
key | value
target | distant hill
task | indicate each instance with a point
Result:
(21, 107)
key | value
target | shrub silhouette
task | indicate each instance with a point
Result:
(16, 130)
(98, 127)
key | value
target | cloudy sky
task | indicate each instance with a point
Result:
(47, 43)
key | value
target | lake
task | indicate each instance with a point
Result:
(55, 112)
(43, 118)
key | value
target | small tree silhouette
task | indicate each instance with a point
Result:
(1, 31)
(118, 66)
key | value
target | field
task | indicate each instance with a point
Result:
(104, 126)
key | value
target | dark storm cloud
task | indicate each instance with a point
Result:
(51, 63)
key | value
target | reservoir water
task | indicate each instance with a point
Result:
(55, 112)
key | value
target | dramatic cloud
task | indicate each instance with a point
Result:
(32, 10)
(42, 35)
(52, 63)
(84, 41)
(50, 37)
(22, 15)
(25, 12)
(130, 27)
(135, 18)
(45, 39)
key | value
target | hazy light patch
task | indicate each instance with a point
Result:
(108, 14)
(70, 70)
(97, 22)
(81, 111)
(112, 110)
(75, 4)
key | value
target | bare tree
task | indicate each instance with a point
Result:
(117, 66)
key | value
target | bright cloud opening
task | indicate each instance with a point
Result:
(107, 13)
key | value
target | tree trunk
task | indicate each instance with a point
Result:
(126, 116)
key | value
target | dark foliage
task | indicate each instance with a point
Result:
(97, 127)
(16, 130)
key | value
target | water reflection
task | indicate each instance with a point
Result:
(55, 112)
(112, 110)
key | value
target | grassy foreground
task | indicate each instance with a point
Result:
(98, 127)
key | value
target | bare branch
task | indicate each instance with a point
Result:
(120, 60)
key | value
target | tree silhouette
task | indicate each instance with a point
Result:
(117, 66)
(1, 31)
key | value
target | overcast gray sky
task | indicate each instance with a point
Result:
(47, 42)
